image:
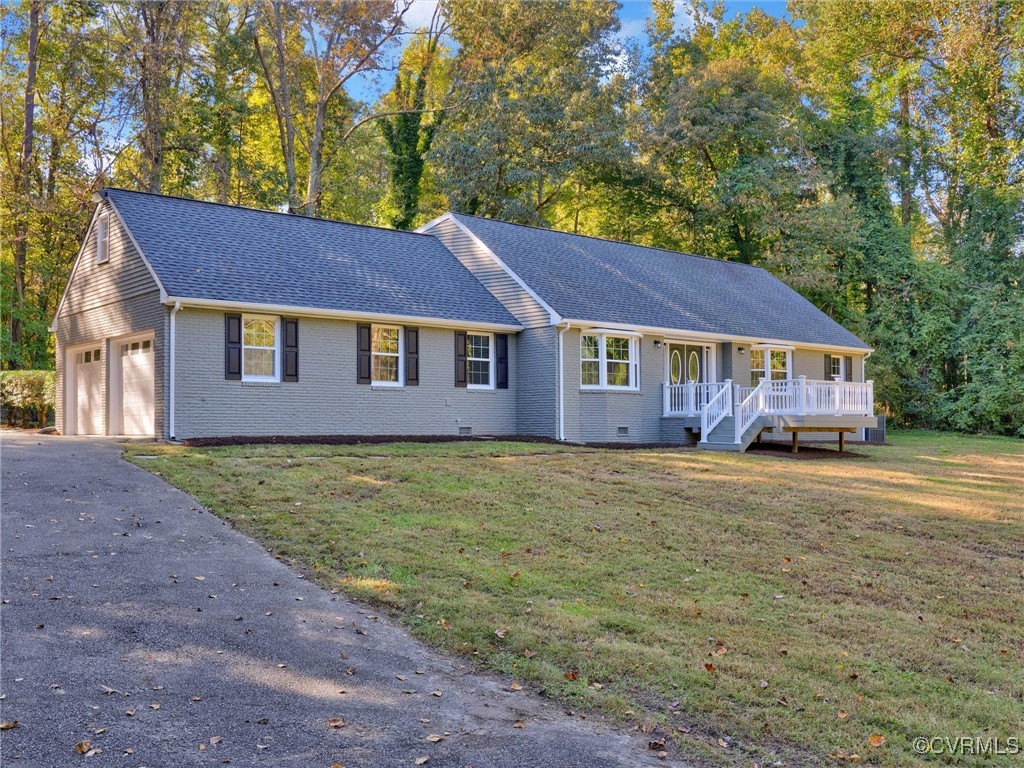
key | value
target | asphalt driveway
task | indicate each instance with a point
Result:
(136, 621)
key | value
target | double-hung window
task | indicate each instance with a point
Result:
(480, 360)
(608, 361)
(260, 335)
(386, 355)
(767, 363)
(836, 365)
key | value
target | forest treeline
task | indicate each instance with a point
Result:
(868, 153)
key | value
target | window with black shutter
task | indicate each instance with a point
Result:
(233, 347)
(291, 349)
(412, 357)
(501, 365)
(363, 354)
(460, 359)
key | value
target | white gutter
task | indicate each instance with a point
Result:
(284, 309)
(170, 357)
(673, 334)
(561, 382)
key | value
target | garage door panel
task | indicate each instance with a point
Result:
(89, 391)
(137, 374)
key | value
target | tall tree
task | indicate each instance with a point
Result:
(308, 52)
(409, 129)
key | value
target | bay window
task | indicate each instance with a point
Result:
(608, 361)
(768, 363)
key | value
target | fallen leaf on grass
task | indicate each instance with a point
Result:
(83, 746)
(501, 633)
(154, 706)
(571, 676)
(216, 739)
(842, 714)
(710, 668)
(515, 687)
(519, 724)
(6, 725)
(421, 760)
(336, 722)
(656, 744)
(529, 654)
(437, 693)
(435, 737)
(876, 740)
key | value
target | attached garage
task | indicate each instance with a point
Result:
(115, 396)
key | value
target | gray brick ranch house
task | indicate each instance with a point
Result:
(186, 319)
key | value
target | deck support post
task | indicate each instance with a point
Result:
(842, 441)
(796, 441)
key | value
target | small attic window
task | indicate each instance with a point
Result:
(102, 240)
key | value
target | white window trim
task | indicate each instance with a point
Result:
(766, 372)
(602, 359)
(401, 357)
(277, 348)
(841, 376)
(491, 360)
(103, 239)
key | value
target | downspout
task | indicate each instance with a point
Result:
(561, 382)
(170, 390)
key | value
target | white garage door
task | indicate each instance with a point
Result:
(89, 392)
(137, 388)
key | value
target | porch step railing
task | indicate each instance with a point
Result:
(752, 407)
(717, 408)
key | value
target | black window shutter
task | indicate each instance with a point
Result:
(460, 358)
(412, 357)
(291, 349)
(849, 368)
(828, 367)
(363, 352)
(501, 352)
(233, 347)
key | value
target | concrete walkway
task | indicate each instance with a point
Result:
(137, 621)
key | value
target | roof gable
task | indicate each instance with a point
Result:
(603, 281)
(216, 252)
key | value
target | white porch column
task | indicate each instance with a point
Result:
(801, 395)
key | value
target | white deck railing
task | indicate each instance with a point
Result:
(797, 397)
(689, 399)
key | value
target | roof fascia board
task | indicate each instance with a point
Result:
(553, 316)
(719, 337)
(340, 314)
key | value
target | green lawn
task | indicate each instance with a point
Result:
(748, 607)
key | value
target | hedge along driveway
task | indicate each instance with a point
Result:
(747, 607)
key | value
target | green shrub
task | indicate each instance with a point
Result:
(25, 392)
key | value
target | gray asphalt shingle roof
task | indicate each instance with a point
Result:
(208, 251)
(603, 281)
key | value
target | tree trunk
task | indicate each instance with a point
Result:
(285, 119)
(906, 179)
(21, 195)
(314, 181)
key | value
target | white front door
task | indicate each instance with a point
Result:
(137, 371)
(89, 391)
